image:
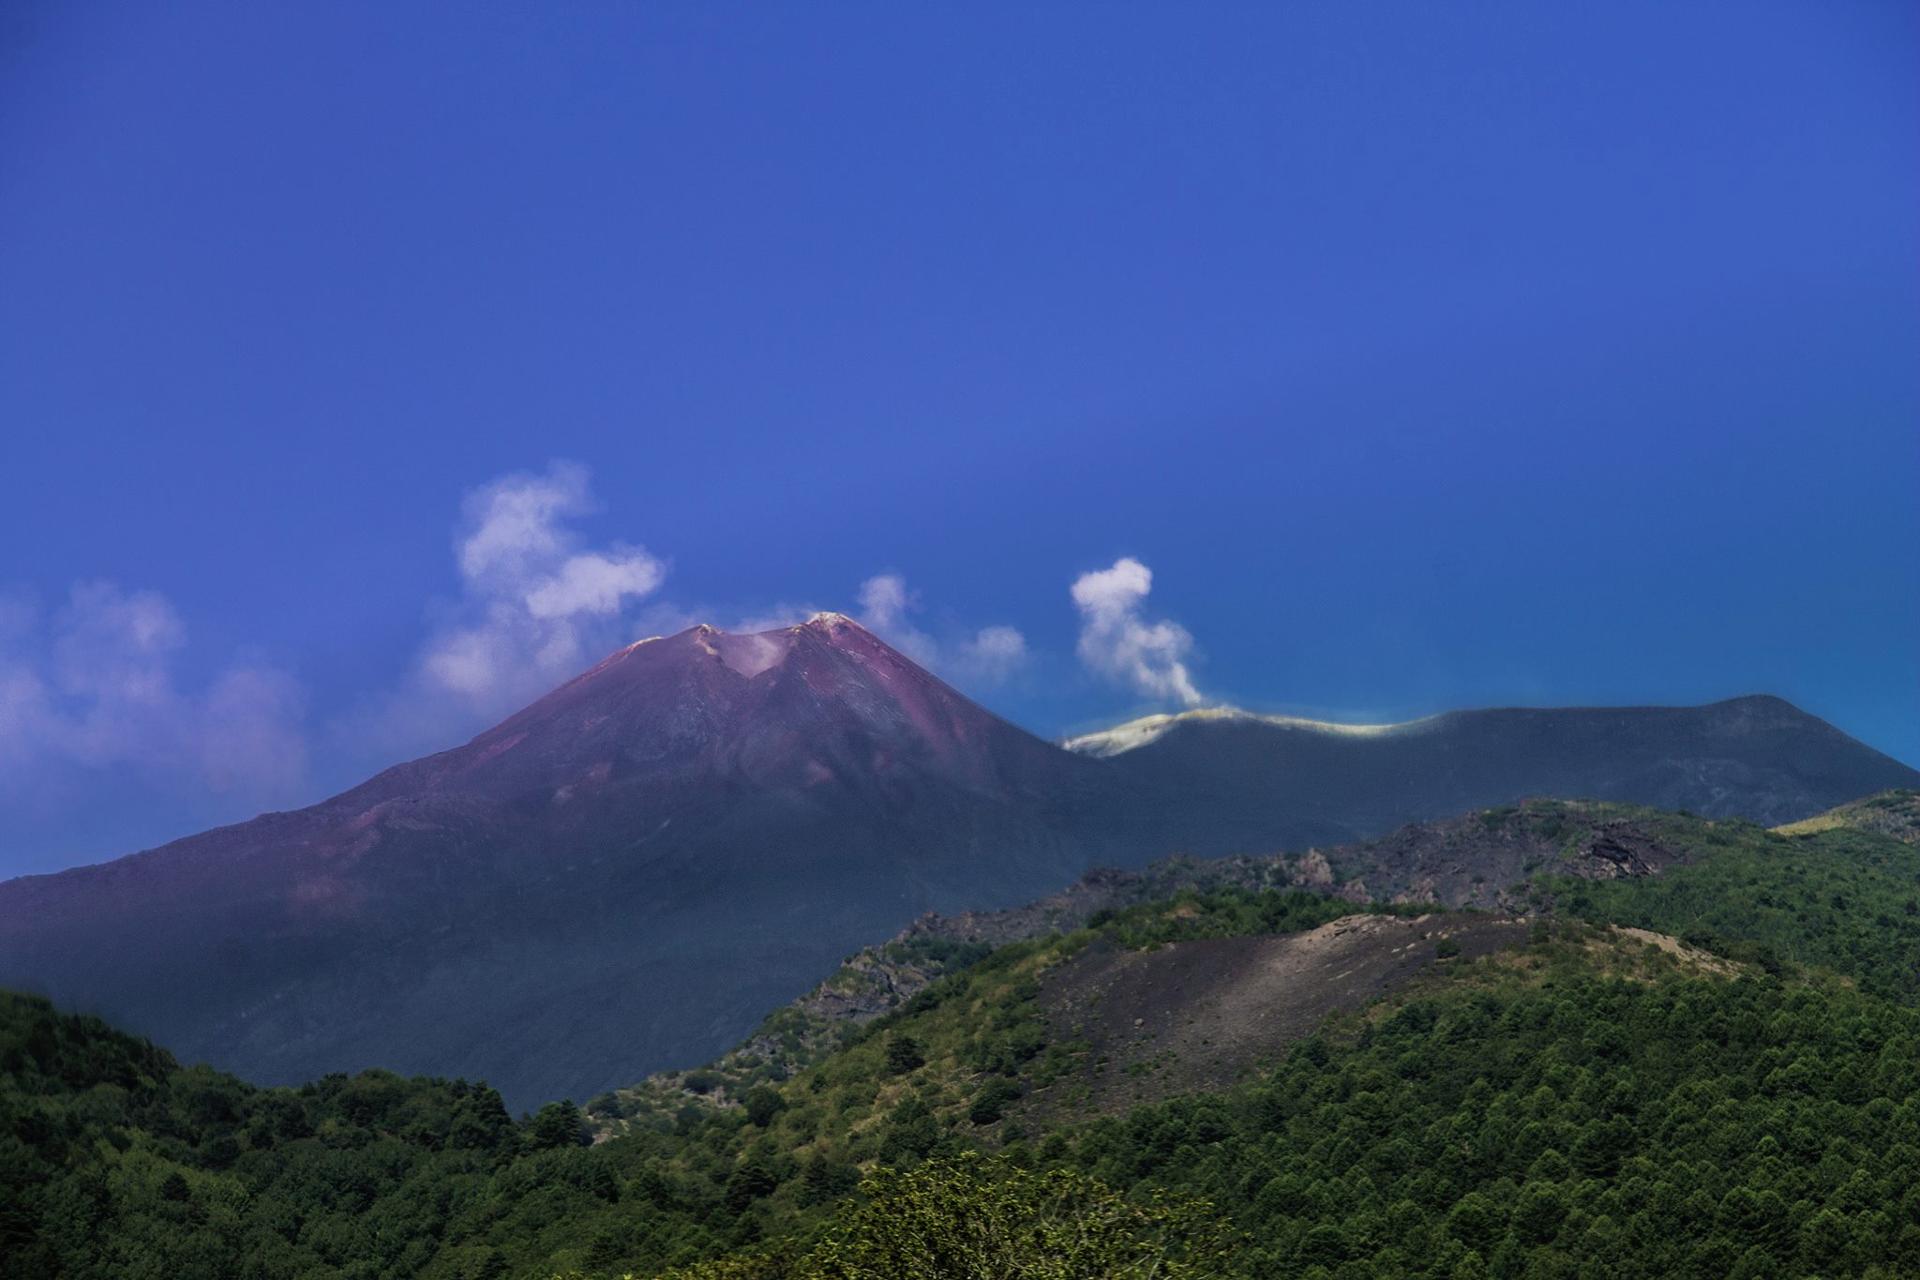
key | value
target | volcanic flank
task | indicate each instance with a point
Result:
(630, 872)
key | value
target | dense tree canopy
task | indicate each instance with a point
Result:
(1586, 1105)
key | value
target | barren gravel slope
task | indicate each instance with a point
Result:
(1197, 1015)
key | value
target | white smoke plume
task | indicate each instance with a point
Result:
(1118, 642)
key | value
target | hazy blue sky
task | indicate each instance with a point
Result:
(1427, 355)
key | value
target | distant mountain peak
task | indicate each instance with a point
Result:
(750, 653)
(774, 704)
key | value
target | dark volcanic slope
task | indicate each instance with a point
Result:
(1232, 782)
(624, 876)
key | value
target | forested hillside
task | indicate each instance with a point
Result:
(1588, 1100)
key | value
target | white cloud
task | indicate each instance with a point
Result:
(596, 583)
(96, 685)
(1118, 642)
(988, 656)
(535, 605)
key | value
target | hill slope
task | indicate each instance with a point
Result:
(1497, 861)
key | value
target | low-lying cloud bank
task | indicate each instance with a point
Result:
(96, 684)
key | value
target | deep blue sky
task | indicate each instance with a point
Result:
(1430, 356)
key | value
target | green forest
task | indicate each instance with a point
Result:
(1589, 1103)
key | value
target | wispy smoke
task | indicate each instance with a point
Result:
(1121, 644)
(95, 685)
(988, 656)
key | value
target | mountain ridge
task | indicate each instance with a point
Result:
(1143, 730)
(644, 861)
(1235, 782)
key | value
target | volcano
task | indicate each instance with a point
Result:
(625, 875)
